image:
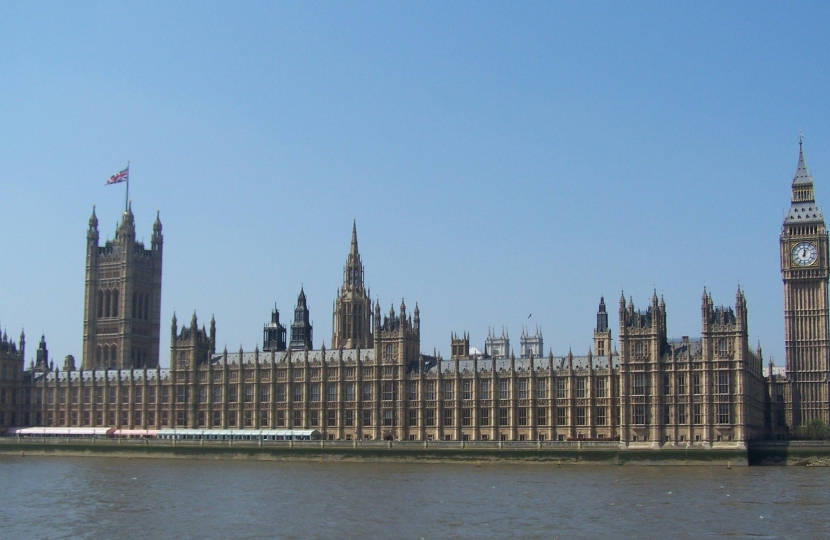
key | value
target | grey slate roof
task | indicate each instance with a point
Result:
(804, 212)
(560, 363)
(297, 357)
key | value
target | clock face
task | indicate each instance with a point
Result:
(804, 254)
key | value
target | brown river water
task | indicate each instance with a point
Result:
(64, 497)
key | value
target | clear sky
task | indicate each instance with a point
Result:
(501, 159)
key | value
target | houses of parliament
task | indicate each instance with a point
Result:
(374, 382)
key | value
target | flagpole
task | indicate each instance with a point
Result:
(127, 197)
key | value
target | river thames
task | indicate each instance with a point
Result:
(63, 497)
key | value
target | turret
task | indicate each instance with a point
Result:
(92, 232)
(158, 239)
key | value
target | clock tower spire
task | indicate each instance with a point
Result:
(804, 269)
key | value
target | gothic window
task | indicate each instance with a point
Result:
(367, 392)
(723, 413)
(389, 391)
(100, 304)
(467, 389)
(723, 349)
(666, 386)
(541, 416)
(541, 389)
(696, 385)
(503, 419)
(332, 393)
(350, 392)
(485, 389)
(723, 382)
(601, 416)
(681, 385)
(387, 356)
(448, 417)
(522, 388)
(430, 391)
(114, 353)
(504, 392)
(639, 414)
(523, 416)
(348, 419)
(430, 419)
(98, 355)
(639, 385)
(580, 387)
(249, 393)
(106, 355)
(560, 389)
(561, 418)
(600, 388)
(389, 417)
(115, 303)
(413, 391)
(298, 393)
(135, 304)
(580, 416)
(638, 348)
(448, 390)
(485, 417)
(413, 417)
(698, 417)
(667, 414)
(681, 414)
(107, 305)
(281, 393)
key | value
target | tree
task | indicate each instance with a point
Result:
(814, 430)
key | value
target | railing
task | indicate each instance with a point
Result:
(367, 444)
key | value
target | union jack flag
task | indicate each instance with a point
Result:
(118, 177)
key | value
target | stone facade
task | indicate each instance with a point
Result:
(803, 393)
(122, 300)
(14, 396)
(375, 383)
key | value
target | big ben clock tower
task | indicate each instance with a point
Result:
(804, 269)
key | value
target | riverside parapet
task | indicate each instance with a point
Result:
(556, 453)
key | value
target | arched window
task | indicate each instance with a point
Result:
(146, 307)
(722, 347)
(100, 304)
(114, 353)
(638, 348)
(115, 303)
(106, 355)
(98, 355)
(107, 299)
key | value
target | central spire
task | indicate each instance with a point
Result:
(353, 271)
(802, 175)
(353, 251)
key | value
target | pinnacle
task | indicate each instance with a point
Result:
(802, 174)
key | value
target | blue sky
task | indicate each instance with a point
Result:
(501, 159)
